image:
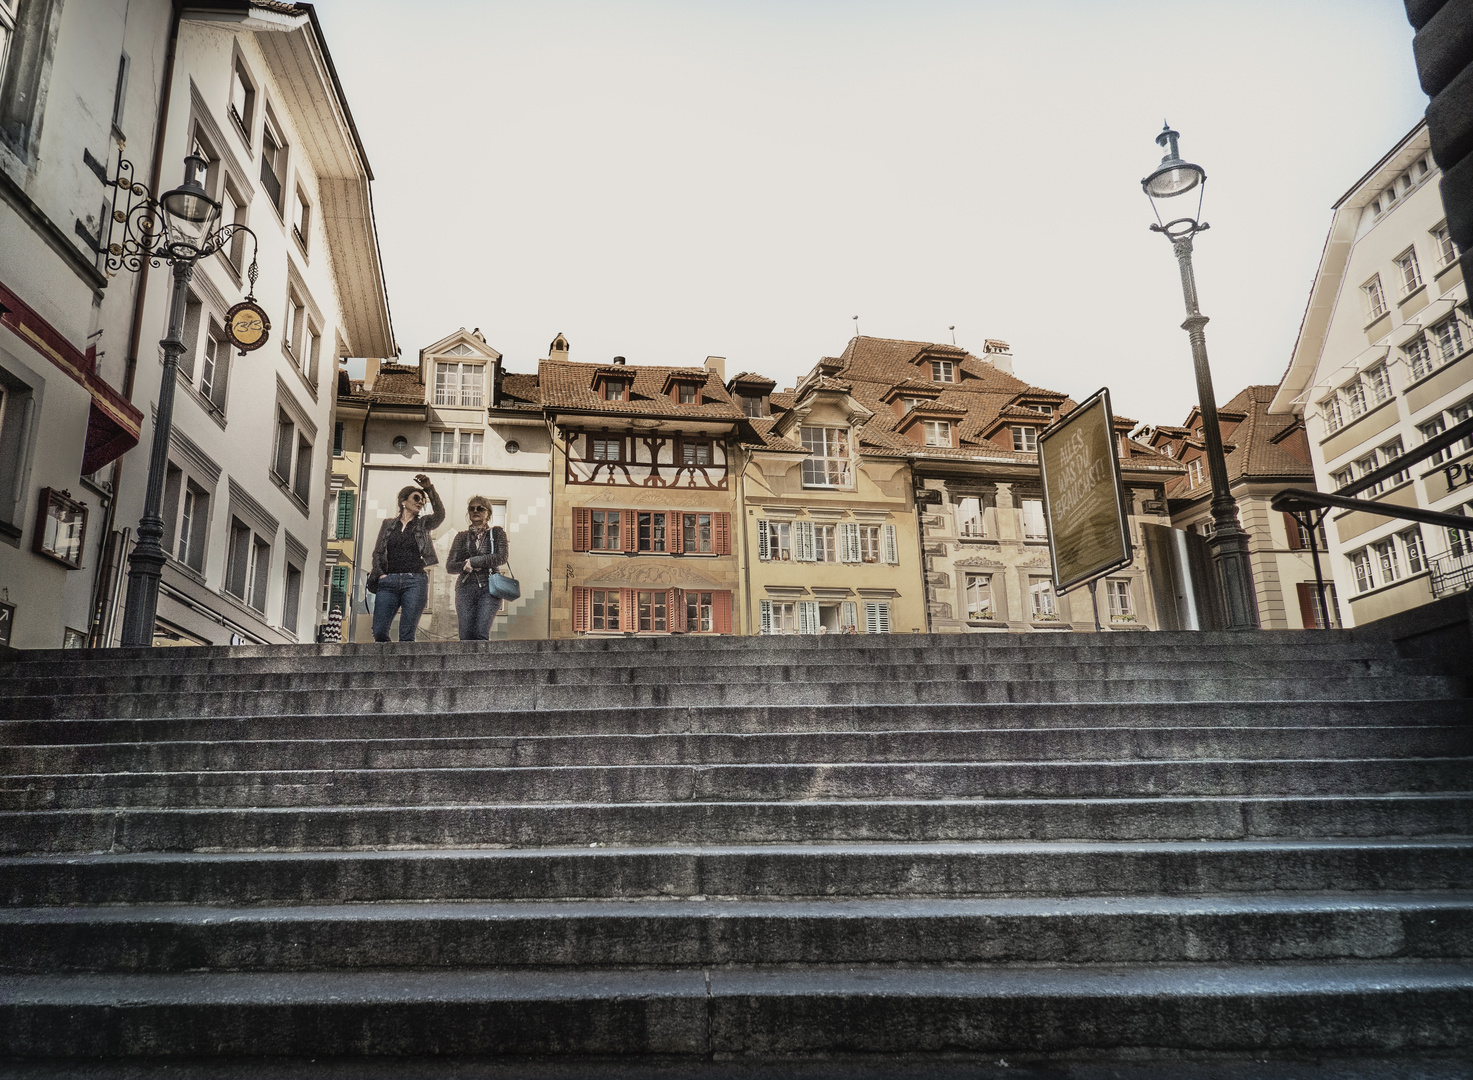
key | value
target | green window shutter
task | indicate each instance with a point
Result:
(345, 515)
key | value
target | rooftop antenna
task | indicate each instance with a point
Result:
(856, 325)
(953, 334)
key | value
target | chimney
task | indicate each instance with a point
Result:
(998, 354)
(370, 372)
(717, 364)
(558, 350)
(619, 360)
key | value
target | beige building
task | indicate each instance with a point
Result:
(1265, 454)
(828, 514)
(1381, 365)
(643, 538)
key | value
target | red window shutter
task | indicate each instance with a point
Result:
(580, 609)
(676, 608)
(1308, 609)
(674, 539)
(581, 523)
(721, 612)
(628, 609)
(1292, 528)
(721, 533)
(629, 522)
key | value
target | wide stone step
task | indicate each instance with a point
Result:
(721, 748)
(900, 870)
(418, 700)
(557, 824)
(675, 933)
(736, 783)
(1303, 1007)
(657, 669)
(734, 720)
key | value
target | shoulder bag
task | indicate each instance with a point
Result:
(504, 585)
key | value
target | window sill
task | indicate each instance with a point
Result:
(291, 359)
(1407, 298)
(1389, 585)
(1385, 315)
(1439, 369)
(1443, 269)
(301, 245)
(1369, 412)
(287, 490)
(1377, 498)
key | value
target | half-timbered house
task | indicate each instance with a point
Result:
(642, 541)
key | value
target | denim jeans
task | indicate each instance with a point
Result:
(475, 607)
(408, 592)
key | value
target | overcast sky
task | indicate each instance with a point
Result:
(667, 181)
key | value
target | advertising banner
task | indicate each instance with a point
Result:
(1088, 533)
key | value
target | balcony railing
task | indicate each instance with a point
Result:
(1451, 573)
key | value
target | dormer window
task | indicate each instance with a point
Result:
(459, 384)
(616, 389)
(752, 405)
(1025, 439)
(938, 432)
(685, 393)
(1045, 410)
(943, 371)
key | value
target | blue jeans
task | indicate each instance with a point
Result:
(395, 591)
(475, 607)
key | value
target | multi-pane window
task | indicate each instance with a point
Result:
(1459, 413)
(699, 612)
(1375, 297)
(242, 100)
(1418, 357)
(459, 384)
(1429, 431)
(1440, 344)
(273, 163)
(696, 532)
(286, 441)
(1386, 455)
(1411, 543)
(825, 543)
(1343, 478)
(1446, 338)
(1117, 590)
(780, 617)
(604, 609)
(828, 462)
(695, 452)
(938, 432)
(214, 368)
(186, 518)
(1378, 383)
(775, 541)
(978, 589)
(1025, 438)
(457, 447)
(751, 405)
(605, 449)
(604, 530)
(1447, 251)
(248, 565)
(616, 389)
(943, 371)
(970, 518)
(1409, 272)
(1330, 411)
(1034, 526)
(651, 531)
(1389, 560)
(1194, 472)
(1041, 600)
(685, 393)
(869, 543)
(652, 610)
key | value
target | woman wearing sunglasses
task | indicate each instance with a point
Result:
(475, 553)
(403, 551)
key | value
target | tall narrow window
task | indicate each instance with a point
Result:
(1429, 431)
(1118, 592)
(652, 610)
(1411, 542)
(969, 517)
(242, 101)
(286, 442)
(238, 560)
(302, 218)
(1378, 383)
(699, 611)
(302, 480)
(1447, 339)
(346, 501)
(1041, 600)
(1375, 297)
(273, 162)
(120, 89)
(979, 597)
(1447, 251)
(1409, 271)
(1419, 356)
(1034, 526)
(291, 599)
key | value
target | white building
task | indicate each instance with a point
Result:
(1381, 365)
(474, 429)
(75, 80)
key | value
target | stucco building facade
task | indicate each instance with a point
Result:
(1382, 364)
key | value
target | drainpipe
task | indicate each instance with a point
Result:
(102, 599)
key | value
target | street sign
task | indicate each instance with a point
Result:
(1088, 531)
(247, 326)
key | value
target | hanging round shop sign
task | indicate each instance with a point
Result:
(247, 326)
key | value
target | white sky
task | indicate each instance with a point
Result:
(666, 181)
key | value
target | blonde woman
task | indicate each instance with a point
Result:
(475, 553)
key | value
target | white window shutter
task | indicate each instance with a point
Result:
(765, 607)
(892, 549)
(883, 615)
(848, 542)
(763, 552)
(871, 617)
(807, 616)
(803, 541)
(849, 613)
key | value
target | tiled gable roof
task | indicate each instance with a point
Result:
(1252, 452)
(398, 384)
(566, 385)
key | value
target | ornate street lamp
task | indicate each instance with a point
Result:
(181, 227)
(1172, 179)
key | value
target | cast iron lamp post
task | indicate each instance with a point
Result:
(179, 228)
(1229, 543)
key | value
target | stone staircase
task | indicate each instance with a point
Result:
(1148, 845)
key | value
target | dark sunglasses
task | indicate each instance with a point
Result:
(417, 497)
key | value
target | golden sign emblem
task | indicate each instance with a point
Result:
(247, 326)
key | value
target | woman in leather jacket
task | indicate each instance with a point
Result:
(404, 548)
(475, 553)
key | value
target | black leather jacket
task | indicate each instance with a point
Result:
(472, 558)
(421, 526)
